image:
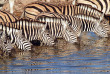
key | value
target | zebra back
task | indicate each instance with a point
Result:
(81, 9)
(102, 5)
(33, 9)
(7, 17)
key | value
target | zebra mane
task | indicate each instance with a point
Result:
(30, 20)
(81, 4)
(49, 14)
(52, 19)
(86, 17)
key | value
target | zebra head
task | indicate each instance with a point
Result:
(68, 33)
(103, 28)
(20, 41)
(44, 36)
(6, 42)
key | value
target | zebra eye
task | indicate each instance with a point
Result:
(5, 42)
(70, 31)
(47, 34)
(104, 23)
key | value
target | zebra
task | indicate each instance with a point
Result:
(20, 41)
(59, 28)
(7, 17)
(31, 10)
(5, 42)
(30, 30)
(80, 23)
(102, 5)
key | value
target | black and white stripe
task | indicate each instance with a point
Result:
(34, 9)
(31, 30)
(59, 28)
(20, 41)
(7, 17)
(102, 5)
(5, 42)
(80, 23)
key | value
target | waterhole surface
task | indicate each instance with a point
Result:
(90, 56)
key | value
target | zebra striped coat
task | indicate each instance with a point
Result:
(102, 5)
(80, 23)
(59, 28)
(34, 9)
(5, 43)
(30, 29)
(7, 17)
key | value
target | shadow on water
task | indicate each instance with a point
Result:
(90, 55)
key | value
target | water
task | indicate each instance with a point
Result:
(90, 56)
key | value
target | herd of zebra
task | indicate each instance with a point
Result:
(47, 22)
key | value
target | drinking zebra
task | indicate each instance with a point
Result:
(30, 30)
(35, 30)
(79, 23)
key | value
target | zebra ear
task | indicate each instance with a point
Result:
(19, 32)
(102, 16)
(3, 34)
(74, 2)
(44, 27)
(64, 23)
(98, 23)
(101, 19)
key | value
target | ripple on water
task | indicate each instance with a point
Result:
(91, 55)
